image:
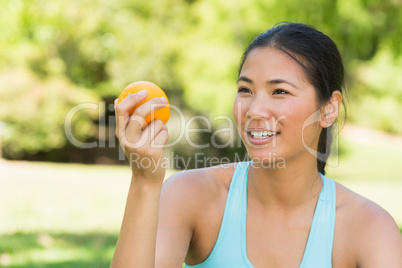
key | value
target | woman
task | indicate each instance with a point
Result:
(278, 210)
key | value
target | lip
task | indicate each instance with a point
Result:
(261, 141)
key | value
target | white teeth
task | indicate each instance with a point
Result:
(262, 134)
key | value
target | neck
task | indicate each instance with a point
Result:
(287, 188)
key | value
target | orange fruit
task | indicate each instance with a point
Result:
(153, 91)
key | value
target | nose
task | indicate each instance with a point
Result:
(259, 108)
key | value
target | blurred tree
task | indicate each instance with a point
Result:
(35, 112)
(67, 52)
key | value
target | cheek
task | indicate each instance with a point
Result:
(239, 110)
(296, 114)
(235, 109)
(303, 121)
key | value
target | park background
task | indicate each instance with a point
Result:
(61, 205)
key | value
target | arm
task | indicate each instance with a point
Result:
(166, 242)
(177, 217)
(136, 244)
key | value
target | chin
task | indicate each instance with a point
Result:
(267, 159)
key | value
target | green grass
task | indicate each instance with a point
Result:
(60, 215)
(55, 215)
(57, 249)
(63, 215)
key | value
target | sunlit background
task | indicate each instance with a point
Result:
(62, 63)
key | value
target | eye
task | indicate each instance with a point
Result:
(280, 92)
(243, 90)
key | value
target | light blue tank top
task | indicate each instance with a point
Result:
(230, 248)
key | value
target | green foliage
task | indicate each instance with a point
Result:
(377, 94)
(190, 48)
(35, 110)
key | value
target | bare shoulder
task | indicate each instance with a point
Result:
(204, 181)
(191, 191)
(363, 209)
(188, 198)
(366, 230)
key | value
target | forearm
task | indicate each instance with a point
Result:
(137, 240)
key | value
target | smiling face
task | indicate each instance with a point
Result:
(273, 104)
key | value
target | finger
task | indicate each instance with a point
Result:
(122, 110)
(116, 120)
(136, 141)
(128, 103)
(137, 121)
(142, 141)
(148, 132)
(134, 127)
(121, 123)
(150, 106)
(154, 127)
(138, 133)
(161, 139)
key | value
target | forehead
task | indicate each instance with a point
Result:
(268, 62)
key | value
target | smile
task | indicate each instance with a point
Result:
(262, 134)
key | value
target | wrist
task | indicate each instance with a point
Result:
(146, 183)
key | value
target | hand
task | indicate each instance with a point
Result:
(143, 143)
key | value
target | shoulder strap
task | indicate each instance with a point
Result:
(227, 252)
(318, 252)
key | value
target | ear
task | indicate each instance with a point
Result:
(330, 110)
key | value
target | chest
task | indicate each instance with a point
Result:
(276, 241)
(269, 242)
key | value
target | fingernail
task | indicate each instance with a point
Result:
(142, 92)
(163, 99)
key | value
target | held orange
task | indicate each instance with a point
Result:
(153, 91)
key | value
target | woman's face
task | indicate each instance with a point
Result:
(276, 108)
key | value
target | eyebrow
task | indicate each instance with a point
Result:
(270, 82)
